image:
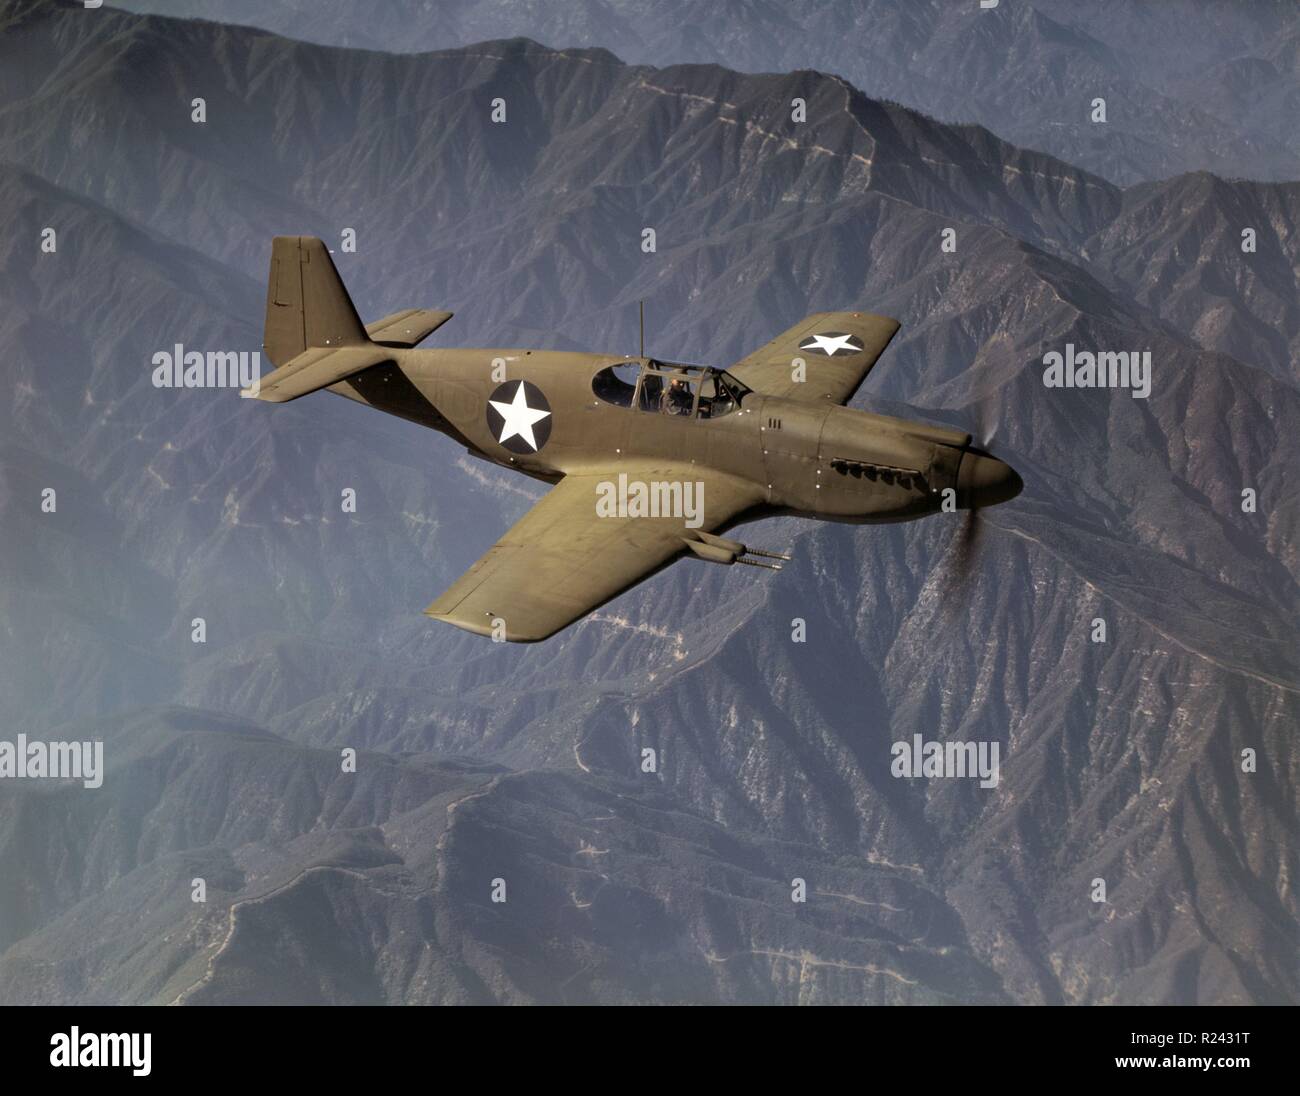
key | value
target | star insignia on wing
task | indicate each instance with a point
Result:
(832, 343)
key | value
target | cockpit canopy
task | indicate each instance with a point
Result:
(670, 388)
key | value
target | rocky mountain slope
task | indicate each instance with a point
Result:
(1189, 84)
(1121, 760)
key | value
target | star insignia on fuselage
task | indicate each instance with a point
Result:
(519, 417)
(832, 343)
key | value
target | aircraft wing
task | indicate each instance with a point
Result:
(561, 560)
(838, 350)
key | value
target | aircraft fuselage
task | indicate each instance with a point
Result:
(812, 459)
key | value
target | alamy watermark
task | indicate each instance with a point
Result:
(89, 1049)
(33, 760)
(181, 368)
(653, 499)
(1104, 369)
(951, 759)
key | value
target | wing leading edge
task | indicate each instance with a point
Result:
(837, 349)
(562, 559)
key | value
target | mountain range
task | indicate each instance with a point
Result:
(1208, 85)
(1121, 760)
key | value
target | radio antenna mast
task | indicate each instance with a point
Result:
(642, 304)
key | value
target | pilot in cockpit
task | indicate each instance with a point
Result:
(676, 399)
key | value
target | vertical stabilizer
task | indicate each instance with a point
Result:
(306, 303)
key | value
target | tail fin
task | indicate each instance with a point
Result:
(306, 303)
(314, 336)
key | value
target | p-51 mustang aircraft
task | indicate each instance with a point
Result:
(767, 436)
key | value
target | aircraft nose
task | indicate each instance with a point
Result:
(984, 481)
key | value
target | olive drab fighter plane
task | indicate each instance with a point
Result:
(628, 442)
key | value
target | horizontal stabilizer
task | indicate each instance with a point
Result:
(313, 369)
(406, 329)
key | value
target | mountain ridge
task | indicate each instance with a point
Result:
(1192, 85)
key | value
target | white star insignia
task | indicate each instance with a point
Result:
(519, 418)
(829, 344)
